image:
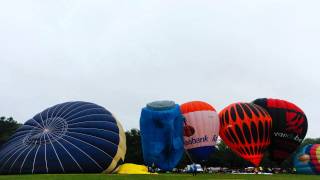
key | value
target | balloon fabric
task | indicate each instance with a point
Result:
(245, 128)
(161, 128)
(72, 137)
(201, 129)
(289, 127)
(307, 159)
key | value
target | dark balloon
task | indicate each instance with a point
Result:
(72, 137)
(289, 127)
(245, 128)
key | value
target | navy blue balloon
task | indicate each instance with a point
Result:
(71, 137)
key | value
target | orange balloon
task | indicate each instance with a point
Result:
(201, 129)
(245, 128)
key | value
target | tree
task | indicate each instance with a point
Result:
(222, 157)
(134, 149)
(310, 141)
(7, 127)
(225, 157)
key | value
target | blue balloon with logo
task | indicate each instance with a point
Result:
(161, 127)
(307, 159)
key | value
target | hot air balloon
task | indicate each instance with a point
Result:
(201, 129)
(161, 128)
(245, 128)
(72, 137)
(307, 159)
(288, 129)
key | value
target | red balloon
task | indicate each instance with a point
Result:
(245, 128)
(290, 126)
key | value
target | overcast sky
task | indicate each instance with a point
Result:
(124, 54)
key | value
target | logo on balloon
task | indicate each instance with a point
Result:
(188, 131)
(304, 158)
(196, 140)
(295, 122)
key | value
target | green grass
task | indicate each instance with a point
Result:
(160, 177)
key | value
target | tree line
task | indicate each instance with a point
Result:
(223, 157)
(7, 127)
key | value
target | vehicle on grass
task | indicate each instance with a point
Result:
(189, 168)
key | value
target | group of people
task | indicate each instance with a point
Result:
(193, 169)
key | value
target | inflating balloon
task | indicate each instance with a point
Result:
(201, 129)
(161, 127)
(307, 159)
(245, 128)
(288, 129)
(72, 137)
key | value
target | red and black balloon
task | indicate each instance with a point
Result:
(245, 128)
(289, 127)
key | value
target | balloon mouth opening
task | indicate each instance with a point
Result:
(255, 160)
(161, 105)
(47, 131)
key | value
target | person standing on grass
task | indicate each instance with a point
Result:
(153, 167)
(194, 169)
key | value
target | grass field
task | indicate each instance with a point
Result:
(160, 177)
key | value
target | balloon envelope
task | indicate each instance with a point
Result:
(245, 128)
(307, 159)
(130, 168)
(71, 137)
(289, 127)
(161, 128)
(201, 129)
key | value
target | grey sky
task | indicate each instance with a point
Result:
(124, 54)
